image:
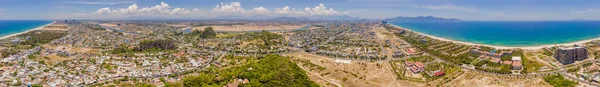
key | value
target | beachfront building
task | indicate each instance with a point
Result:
(516, 63)
(568, 55)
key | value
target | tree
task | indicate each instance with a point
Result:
(196, 31)
(36, 85)
(199, 81)
(208, 33)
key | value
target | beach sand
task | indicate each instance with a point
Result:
(38, 28)
(502, 47)
(56, 26)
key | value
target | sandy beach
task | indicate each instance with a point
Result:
(501, 47)
(15, 34)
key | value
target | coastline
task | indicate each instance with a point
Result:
(15, 34)
(500, 47)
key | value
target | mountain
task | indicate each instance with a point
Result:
(334, 17)
(422, 18)
(327, 17)
(290, 18)
(233, 17)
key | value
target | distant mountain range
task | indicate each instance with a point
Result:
(421, 18)
(330, 17)
(343, 17)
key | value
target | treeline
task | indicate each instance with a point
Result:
(208, 32)
(147, 46)
(40, 37)
(264, 36)
(155, 45)
(271, 71)
(557, 80)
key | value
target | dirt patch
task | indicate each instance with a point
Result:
(471, 79)
(83, 50)
(354, 74)
(53, 58)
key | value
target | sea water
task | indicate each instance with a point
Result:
(509, 33)
(8, 27)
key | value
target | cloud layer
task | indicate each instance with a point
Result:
(99, 3)
(223, 9)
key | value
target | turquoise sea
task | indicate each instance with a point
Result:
(509, 33)
(8, 27)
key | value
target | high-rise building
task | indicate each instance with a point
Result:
(568, 55)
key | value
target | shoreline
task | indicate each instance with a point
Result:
(15, 34)
(500, 47)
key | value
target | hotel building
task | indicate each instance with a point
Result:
(568, 55)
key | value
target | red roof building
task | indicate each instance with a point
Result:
(440, 73)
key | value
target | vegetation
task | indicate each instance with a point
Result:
(147, 46)
(40, 37)
(36, 85)
(573, 69)
(99, 29)
(559, 81)
(271, 71)
(208, 33)
(529, 65)
(267, 37)
(155, 45)
(547, 53)
(421, 59)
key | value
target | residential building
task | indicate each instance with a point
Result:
(568, 55)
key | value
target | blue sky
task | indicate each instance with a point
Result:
(371, 9)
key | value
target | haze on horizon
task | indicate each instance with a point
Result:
(264, 9)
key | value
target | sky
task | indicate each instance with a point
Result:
(368, 9)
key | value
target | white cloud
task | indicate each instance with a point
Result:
(260, 10)
(585, 11)
(100, 3)
(162, 9)
(497, 13)
(233, 7)
(449, 7)
(317, 10)
(322, 10)
(222, 9)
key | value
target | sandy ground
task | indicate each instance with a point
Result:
(470, 79)
(380, 74)
(56, 26)
(368, 74)
(83, 50)
(250, 27)
(53, 58)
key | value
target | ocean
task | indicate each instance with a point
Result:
(8, 27)
(509, 33)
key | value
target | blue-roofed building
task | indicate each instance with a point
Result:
(423, 41)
